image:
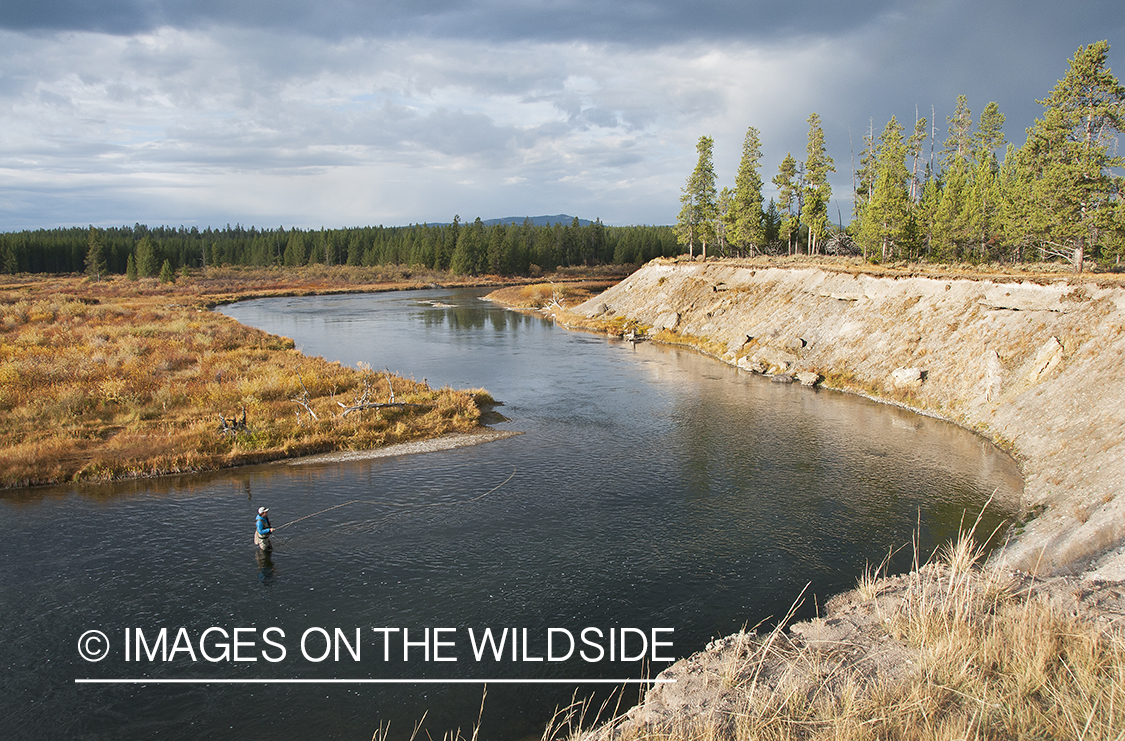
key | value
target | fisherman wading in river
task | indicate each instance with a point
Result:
(262, 534)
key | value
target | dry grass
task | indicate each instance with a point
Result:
(1041, 272)
(114, 379)
(548, 295)
(992, 663)
(705, 345)
(556, 300)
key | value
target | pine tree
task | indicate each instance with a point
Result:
(447, 244)
(948, 237)
(131, 267)
(1015, 198)
(982, 206)
(1074, 190)
(863, 181)
(513, 249)
(330, 248)
(982, 203)
(771, 222)
(886, 221)
(724, 225)
(699, 201)
(316, 251)
(914, 151)
(748, 231)
(294, 254)
(790, 196)
(147, 266)
(926, 211)
(989, 135)
(95, 255)
(469, 257)
(497, 257)
(818, 192)
(959, 143)
(166, 274)
(355, 250)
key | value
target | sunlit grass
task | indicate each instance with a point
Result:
(557, 296)
(992, 662)
(113, 379)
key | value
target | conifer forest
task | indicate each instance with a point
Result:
(973, 197)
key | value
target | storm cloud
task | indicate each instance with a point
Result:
(343, 113)
(631, 21)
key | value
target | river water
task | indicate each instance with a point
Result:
(654, 495)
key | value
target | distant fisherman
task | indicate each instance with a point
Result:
(262, 534)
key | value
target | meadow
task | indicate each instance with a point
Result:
(116, 379)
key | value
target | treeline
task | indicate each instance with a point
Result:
(1059, 195)
(463, 248)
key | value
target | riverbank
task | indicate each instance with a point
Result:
(113, 379)
(947, 651)
(1031, 361)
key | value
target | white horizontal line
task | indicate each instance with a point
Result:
(373, 681)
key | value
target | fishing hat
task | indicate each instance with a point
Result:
(263, 510)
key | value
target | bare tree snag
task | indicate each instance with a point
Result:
(362, 403)
(233, 426)
(304, 400)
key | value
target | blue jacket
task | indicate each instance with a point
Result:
(263, 524)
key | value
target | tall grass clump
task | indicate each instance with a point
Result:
(986, 660)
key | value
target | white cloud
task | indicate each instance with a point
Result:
(204, 124)
(196, 126)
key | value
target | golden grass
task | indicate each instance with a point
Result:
(118, 379)
(705, 345)
(549, 295)
(992, 663)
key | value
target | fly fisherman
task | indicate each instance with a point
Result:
(262, 534)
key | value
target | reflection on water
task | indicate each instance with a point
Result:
(651, 488)
(265, 567)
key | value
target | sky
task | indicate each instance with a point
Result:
(342, 113)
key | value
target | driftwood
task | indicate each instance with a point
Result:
(362, 403)
(233, 426)
(304, 400)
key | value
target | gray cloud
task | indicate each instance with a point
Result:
(645, 21)
(345, 113)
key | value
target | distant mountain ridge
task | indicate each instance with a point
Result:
(563, 219)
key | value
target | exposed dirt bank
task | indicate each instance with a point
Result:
(1034, 363)
(1034, 366)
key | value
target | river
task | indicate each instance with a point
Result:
(653, 495)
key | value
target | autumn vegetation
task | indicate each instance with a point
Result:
(993, 658)
(113, 378)
(548, 295)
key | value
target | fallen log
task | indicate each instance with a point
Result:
(362, 404)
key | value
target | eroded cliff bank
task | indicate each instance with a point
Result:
(1034, 366)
